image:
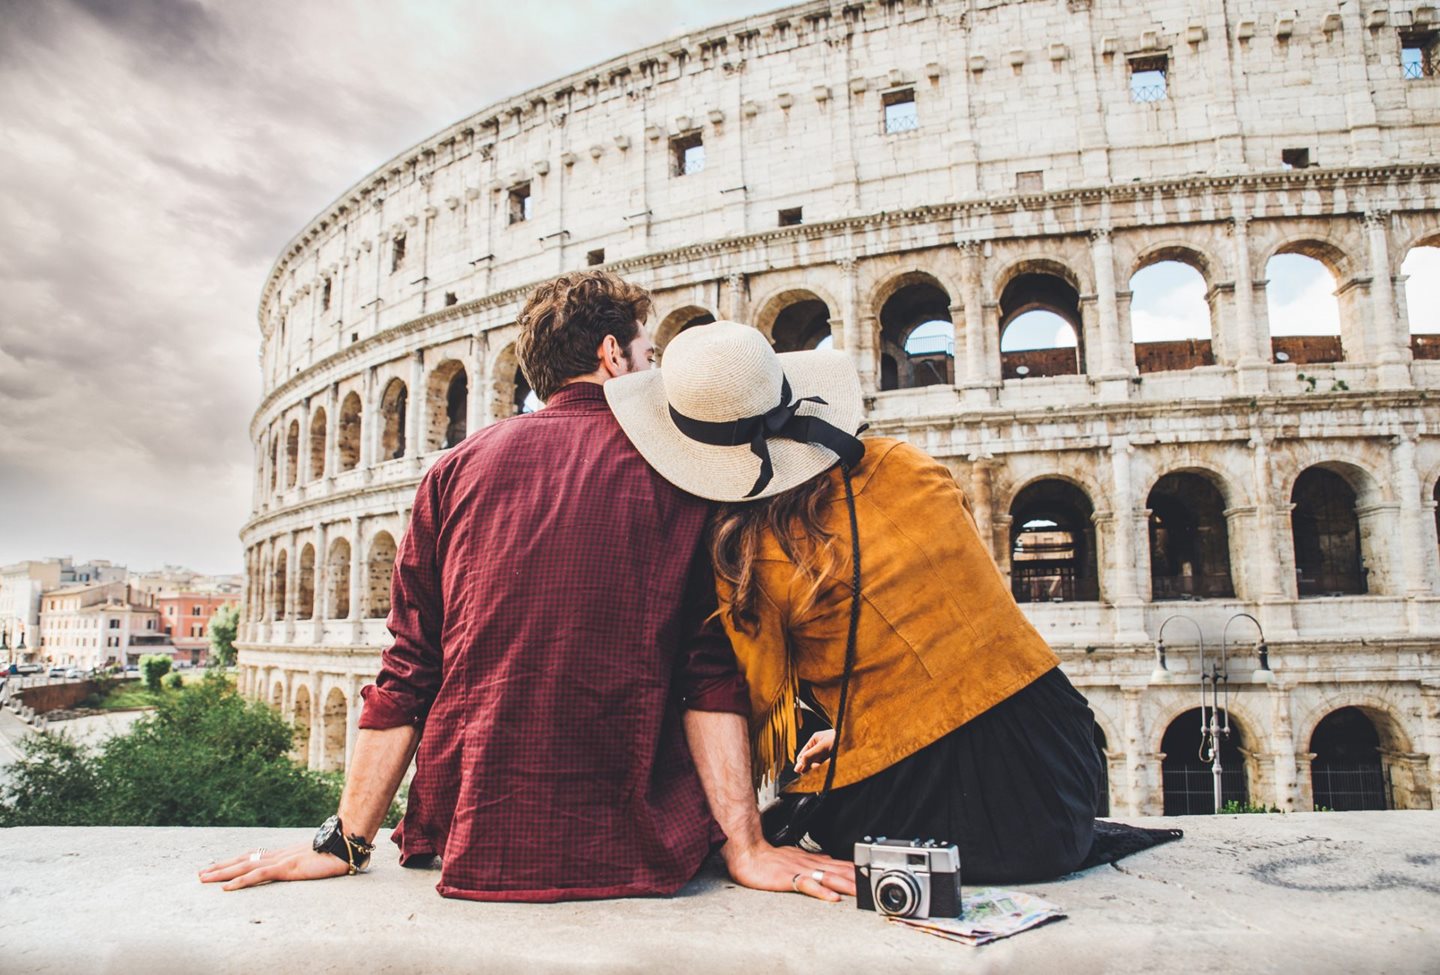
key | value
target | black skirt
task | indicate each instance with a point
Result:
(1015, 788)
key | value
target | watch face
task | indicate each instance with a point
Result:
(326, 832)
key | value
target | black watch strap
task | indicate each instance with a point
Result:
(354, 850)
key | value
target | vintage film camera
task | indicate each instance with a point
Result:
(907, 878)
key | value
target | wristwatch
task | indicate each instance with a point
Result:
(330, 838)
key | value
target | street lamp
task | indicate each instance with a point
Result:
(1211, 709)
(1263, 674)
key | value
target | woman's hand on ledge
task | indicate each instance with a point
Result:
(786, 868)
(816, 751)
(298, 862)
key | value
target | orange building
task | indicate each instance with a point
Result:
(185, 616)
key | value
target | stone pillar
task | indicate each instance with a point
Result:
(332, 432)
(867, 353)
(475, 388)
(1414, 534)
(1271, 549)
(1114, 373)
(315, 751)
(845, 325)
(736, 301)
(417, 409)
(970, 364)
(302, 451)
(353, 706)
(369, 421)
(1286, 772)
(1137, 748)
(1391, 336)
(1430, 731)
(1121, 566)
(982, 499)
(1252, 349)
(322, 584)
(357, 570)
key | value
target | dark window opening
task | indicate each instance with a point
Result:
(1326, 533)
(1347, 772)
(791, 217)
(1420, 54)
(1148, 77)
(392, 417)
(1189, 540)
(687, 154)
(354, 336)
(1186, 772)
(801, 327)
(1295, 158)
(1052, 545)
(521, 207)
(917, 337)
(1040, 327)
(456, 396)
(900, 111)
(451, 298)
(397, 253)
(595, 257)
(325, 295)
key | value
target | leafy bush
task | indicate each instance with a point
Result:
(1235, 806)
(174, 681)
(153, 667)
(205, 757)
(224, 626)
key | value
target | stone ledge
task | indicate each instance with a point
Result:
(1317, 892)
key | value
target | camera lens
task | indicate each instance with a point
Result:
(897, 893)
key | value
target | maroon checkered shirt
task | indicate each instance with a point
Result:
(548, 612)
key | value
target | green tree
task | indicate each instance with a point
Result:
(204, 757)
(153, 667)
(224, 626)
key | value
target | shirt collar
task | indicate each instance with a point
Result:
(577, 394)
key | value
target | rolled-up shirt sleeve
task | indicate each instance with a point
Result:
(410, 670)
(707, 676)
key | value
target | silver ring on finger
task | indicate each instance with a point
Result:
(818, 876)
(255, 857)
(795, 882)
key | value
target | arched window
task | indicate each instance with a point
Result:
(1189, 540)
(1186, 772)
(801, 325)
(678, 321)
(1170, 318)
(333, 728)
(379, 567)
(292, 454)
(317, 445)
(1052, 545)
(1304, 314)
(1040, 325)
(1326, 534)
(917, 337)
(337, 575)
(348, 433)
(279, 590)
(447, 398)
(305, 595)
(392, 419)
(1422, 300)
(1347, 772)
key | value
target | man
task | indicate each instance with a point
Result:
(551, 647)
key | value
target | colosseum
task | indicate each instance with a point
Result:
(972, 198)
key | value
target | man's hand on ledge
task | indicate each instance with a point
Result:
(298, 862)
(765, 867)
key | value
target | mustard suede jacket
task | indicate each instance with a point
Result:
(940, 638)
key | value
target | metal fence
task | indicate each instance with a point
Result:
(1190, 789)
(1351, 787)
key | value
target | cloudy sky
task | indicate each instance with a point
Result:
(158, 154)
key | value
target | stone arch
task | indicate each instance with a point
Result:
(1171, 338)
(1189, 536)
(795, 319)
(394, 403)
(448, 397)
(347, 434)
(1333, 554)
(305, 592)
(1182, 252)
(677, 321)
(277, 694)
(279, 586)
(1389, 777)
(379, 567)
(1313, 346)
(1186, 776)
(334, 727)
(317, 444)
(1420, 297)
(510, 390)
(917, 331)
(301, 717)
(1052, 545)
(292, 454)
(337, 576)
(1388, 723)
(1039, 299)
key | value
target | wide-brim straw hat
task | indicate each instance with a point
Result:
(723, 383)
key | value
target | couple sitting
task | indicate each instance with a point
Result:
(601, 611)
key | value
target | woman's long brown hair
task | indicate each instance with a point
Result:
(794, 517)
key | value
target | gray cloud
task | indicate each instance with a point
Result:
(159, 154)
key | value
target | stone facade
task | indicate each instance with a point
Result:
(859, 171)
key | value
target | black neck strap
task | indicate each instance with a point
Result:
(778, 422)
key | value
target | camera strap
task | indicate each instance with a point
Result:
(851, 637)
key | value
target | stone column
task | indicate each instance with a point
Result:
(736, 301)
(1430, 730)
(1137, 748)
(1287, 789)
(322, 584)
(353, 706)
(845, 325)
(292, 588)
(1414, 534)
(1252, 349)
(1121, 566)
(981, 371)
(357, 570)
(475, 386)
(867, 353)
(417, 409)
(332, 432)
(369, 421)
(302, 450)
(1115, 372)
(316, 746)
(982, 499)
(1391, 337)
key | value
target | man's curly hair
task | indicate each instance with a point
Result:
(565, 320)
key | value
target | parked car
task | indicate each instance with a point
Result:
(74, 673)
(30, 668)
(132, 670)
(57, 672)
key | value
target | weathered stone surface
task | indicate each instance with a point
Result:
(1315, 893)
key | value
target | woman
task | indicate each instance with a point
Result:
(955, 722)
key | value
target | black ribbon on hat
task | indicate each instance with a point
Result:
(778, 422)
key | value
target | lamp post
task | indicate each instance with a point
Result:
(1263, 674)
(1211, 709)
